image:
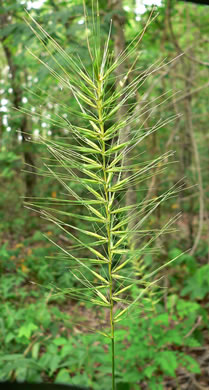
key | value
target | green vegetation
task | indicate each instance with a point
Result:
(110, 220)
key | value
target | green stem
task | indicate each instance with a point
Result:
(108, 223)
(113, 359)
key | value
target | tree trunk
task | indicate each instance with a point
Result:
(124, 135)
(17, 100)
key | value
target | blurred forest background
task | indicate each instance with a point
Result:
(41, 337)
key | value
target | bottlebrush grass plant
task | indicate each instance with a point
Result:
(92, 156)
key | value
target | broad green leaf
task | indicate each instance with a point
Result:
(27, 329)
(167, 362)
(63, 377)
(54, 363)
(60, 341)
(35, 350)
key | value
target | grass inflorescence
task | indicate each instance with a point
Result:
(93, 157)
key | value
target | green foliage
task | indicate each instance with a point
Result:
(197, 286)
(155, 343)
(81, 359)
(35, 347)
(9, 161)
(184, 258)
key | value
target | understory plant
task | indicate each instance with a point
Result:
(95, 169)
